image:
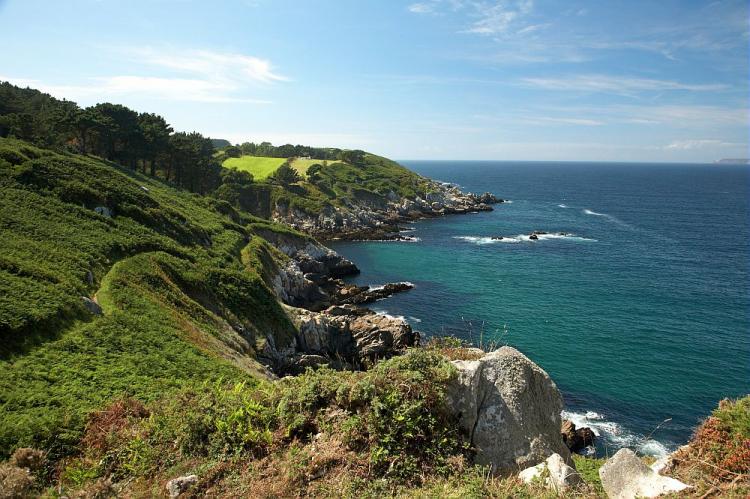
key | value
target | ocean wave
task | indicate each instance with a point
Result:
(616, 220)
(523, 238)
(384, 313)
(592, 212)
(415, 319)
(613, 435)
(561, 205)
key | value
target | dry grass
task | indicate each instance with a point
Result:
(717, 459)
(105, 424)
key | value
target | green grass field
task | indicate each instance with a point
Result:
(259, 166)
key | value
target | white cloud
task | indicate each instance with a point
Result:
(421, 8)
(700, 144)
(613, 84)
(210, 65)
(107, 88)
(497, 17)
(489, 17)
(189, 75)
(565, 121)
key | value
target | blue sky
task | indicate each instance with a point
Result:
(433, 79)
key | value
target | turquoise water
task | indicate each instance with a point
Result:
(640, 315)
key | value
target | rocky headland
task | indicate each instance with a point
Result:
(382, 217)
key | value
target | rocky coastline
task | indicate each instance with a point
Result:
(384, 219)
(334, 328)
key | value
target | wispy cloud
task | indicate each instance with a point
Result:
(485, 17)
(211, 65)
(701, 144)
(421, 8)
(614, 84)
(107, 88)
(564, 121)
(497, 17)
(192, 75)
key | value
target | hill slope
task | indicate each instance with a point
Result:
(178, 303)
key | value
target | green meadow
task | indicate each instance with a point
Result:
(259, 166)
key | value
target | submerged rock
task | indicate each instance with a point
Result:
(510, 410)
(625, 476)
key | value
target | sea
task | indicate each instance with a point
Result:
(636, 301)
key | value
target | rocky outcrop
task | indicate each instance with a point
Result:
(625, 476)
(359, 295)
(576, 439)
(557, 475)
(343, 337)
(379, 219)
(509, 408)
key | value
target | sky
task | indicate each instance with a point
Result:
(565, 80)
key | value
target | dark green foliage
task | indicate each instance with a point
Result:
(285, 175)
(395, 412)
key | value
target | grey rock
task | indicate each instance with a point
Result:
(177, 486)
(625, 476)
(104, 211)
(557, 475)
(91, 305)
(510, 410)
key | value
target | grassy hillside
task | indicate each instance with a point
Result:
(259, 166)
(166, 267)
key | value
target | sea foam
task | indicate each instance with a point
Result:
(611, 434)
(523, 238)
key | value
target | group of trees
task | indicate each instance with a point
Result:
(142, 141)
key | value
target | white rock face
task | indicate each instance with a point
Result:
(510, 408)
(625, 476)
(558, 477)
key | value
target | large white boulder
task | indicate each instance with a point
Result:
(510, 409)
(625, 476)
(557, 475)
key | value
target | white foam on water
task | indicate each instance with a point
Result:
(414, 319)
(476, 239)
(376, 288)
(562, 205)
(614, 435)
(385, 313)
(616, 220)
(591, 212)
(520, 238)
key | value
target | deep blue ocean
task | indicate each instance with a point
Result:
(640, 314)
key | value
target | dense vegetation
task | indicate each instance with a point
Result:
(165, 265)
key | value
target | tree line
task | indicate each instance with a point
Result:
(140, 141)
